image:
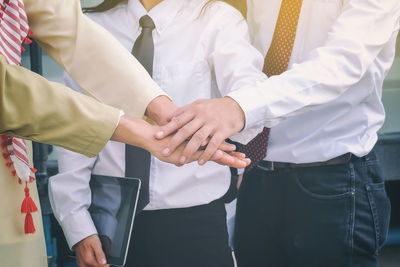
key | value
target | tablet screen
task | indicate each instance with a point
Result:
(112, 210)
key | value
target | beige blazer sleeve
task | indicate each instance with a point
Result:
(101, 66)
(33, 108)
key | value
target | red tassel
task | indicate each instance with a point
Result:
(14, 172)
(22, 49)
(4, 137)
(19, 181)
(33, 170)
(27, 41)
(6, 155)
(28, 205)
(30, 33)
(31, 179)
(9, 164)
(4, 144)
(29, 226)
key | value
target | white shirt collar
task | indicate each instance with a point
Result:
(162, 14)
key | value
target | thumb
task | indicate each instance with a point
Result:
(99, 254)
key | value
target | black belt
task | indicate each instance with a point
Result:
(272, 165)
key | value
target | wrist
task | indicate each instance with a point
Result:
(159, 108)
(83, 240)
(132, 131)
(237, 113)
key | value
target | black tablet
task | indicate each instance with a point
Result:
(113, 211)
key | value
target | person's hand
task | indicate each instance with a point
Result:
(106, 244)
(137, 132)
(224, 155)
(216, 119)
(89, 252)
(159, 109)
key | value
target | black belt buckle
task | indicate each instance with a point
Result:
(266, 165)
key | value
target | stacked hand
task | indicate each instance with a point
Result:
(137, 132)
(175, 148)
(206, 122)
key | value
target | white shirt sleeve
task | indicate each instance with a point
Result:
(235, 61)
(354, 41)
(70, 195)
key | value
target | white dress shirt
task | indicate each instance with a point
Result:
(329, 101)
(197, 55)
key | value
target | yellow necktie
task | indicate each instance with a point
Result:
(276, 61)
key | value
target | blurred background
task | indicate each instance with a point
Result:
(388, 150)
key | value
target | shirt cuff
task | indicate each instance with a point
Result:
(253, 102)
(110, 120)
(77, 227)
(246, 136)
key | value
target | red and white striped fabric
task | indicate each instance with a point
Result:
(13, 29)
(13, 32)
(16, 148)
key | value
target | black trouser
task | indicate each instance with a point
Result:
(323, 216)
(186, 237)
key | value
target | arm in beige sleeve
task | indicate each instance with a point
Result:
(102, 67)
(33, 108)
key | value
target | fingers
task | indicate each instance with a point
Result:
(231, 160)
(205, 142)
(184, 133)
(175, 123)
(218, 155)
(176, 113)
(89, 252)
(99, 254)
(87, 259)
(238, 155)
(212, 147)
(226, 147)
(195, 142)
(93, 258)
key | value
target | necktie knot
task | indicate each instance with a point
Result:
(146, 22)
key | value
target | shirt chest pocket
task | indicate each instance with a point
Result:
(185, 81)
(321, 16)
(327, 8)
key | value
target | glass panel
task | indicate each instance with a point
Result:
(87, 3)
(391, 95)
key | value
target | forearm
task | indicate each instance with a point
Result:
(85, 50)
(70, 195)
(352, 45)
(36, 109)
